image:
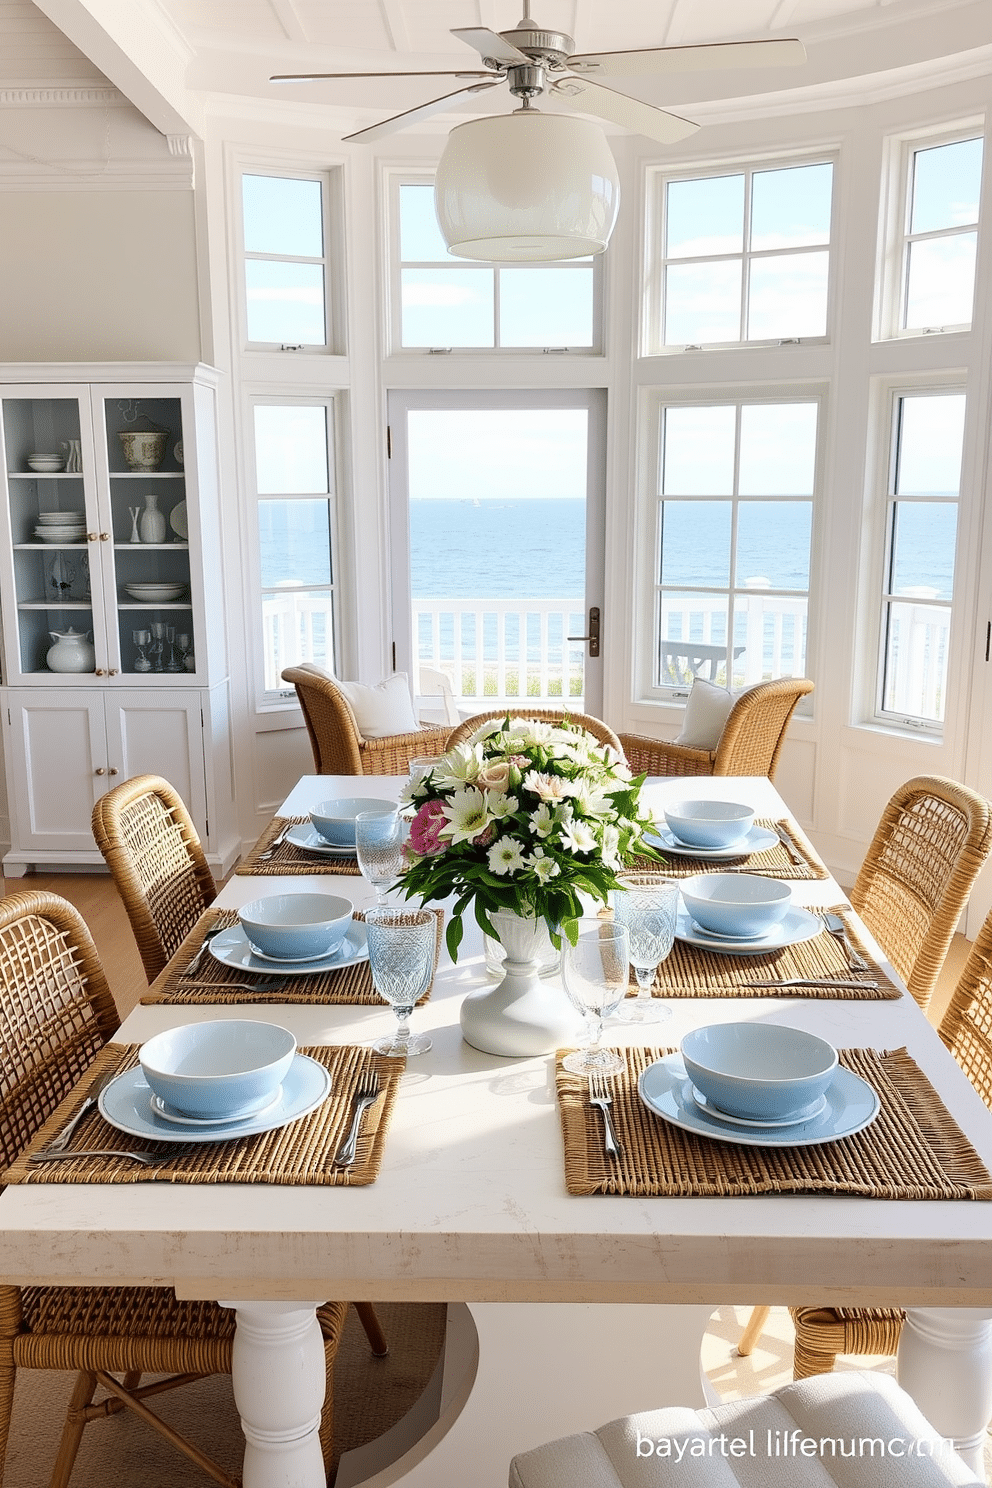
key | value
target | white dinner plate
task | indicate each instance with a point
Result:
(759, 839)
(666, 1089)
(179, 1118)
(231, 948)
(805, 1113)
(306, 836)
(127, 1104)
(177, 517)
(798, 925)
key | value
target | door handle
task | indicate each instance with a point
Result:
(593, 636)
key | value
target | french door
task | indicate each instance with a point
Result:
(497, 507)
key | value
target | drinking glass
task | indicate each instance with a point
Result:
(647, 903)
(380, 837)
(141, 639)
(596, 972)
(401, 953)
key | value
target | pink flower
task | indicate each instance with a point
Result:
(484, 838)
(495, 776)
(425, 827)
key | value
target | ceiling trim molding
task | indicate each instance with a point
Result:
(47, 97)
(95, 175)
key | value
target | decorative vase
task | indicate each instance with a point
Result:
(72, 652)
(523, 1015)
(152, 524)
(143, 449)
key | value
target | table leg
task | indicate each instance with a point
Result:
(279, 1379)
(945, 1363)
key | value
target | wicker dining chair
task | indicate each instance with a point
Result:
(151, 847)
(338, 745)
(750, 744)
(56, 1013)
(594, 726)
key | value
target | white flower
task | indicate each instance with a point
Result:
(467, 815)
(578, 836)
(611, 844)
(542, 821)
(544, 866)
(500, 805)
(592, 802)
(548, 787)
(505, 856)
(460, 766)
(485, 730)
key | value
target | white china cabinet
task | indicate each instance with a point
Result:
(114, 654)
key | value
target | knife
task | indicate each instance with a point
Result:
(789, 845)
(58, 1143)
(814, 982)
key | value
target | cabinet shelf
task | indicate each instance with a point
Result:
(145, 475)
(166, 547)
(55, 604)
(44, 475)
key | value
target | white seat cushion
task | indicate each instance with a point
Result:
(386, 708)
(848, 1430)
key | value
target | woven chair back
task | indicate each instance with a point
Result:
(330, 720)
(931, 841)
(966, 1027)
(152, 849)
(594, 726)
(755, 730)
(56, 1011)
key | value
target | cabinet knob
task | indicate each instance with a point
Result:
(104, 536)
(113, 671)
(91, 536)
(100, 770)
(99, 672)
(112, 771)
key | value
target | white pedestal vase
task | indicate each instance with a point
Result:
(523, 1014)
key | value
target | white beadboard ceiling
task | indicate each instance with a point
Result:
(174, 59)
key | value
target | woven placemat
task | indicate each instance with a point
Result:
(774, 862)
(213, 982)
(288, 858)
(691, 971)
(300, 1153)
(913, 1149)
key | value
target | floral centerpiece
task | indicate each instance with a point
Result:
(523, 816)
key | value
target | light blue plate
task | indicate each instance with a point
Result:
(798, 925)
(851, 1105)
(231, 948)
(759, 839)
(309, 839)
(127, 1104)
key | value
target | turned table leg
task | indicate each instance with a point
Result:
(279, 1379)
(945, 1363)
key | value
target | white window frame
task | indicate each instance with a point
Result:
(282, 697)
(656, 401)
(894, 234)
(656, 184)
(395, 265)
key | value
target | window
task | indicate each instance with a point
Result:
(745, 256)
(941, 235)
(448, 303)
(734, 525)
(921, 535)
(285, 261)
(293, 482)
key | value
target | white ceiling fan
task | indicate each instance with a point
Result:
(534, 61)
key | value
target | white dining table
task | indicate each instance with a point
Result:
(564, 1311)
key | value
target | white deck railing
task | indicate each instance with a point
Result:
(503, 648)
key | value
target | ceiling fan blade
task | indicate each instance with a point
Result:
(784, 53)
(400, 121)
(631, 113)
(319, 77)
(491, 46)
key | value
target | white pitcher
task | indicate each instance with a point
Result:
(72, 652)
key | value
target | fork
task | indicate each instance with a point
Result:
(275, 844)
(600, 1096)
(835, 926)
(366, 1095)
(147, 1159)
(259, 984)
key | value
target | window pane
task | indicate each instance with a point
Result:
(702, 302)
(924, 535)
(704, 217)
(931, 433)
(698, 452)
(946, 185)
(778, 449)
(790, 208)
(545, 307)
(290, 450)
(940, 281)
(773, 541)
(692, 639)
(297, 625)
(295, 543)
(420, 236)
(769, 636)
(695, 542)
(916, 640)
(285, 302)
(787, 296)
(447, 307)
(283, 216)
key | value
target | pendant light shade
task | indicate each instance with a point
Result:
(526, 186)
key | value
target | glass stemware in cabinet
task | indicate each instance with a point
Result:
(141, 639)
(402, 945)
(174, 663)
(158, 629)
(595, 972)
(647, 903)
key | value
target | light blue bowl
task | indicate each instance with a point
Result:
(296, 927)
(335, 820)
(758, 1071)
(737, 905)
(711, 824)
(230, 1067)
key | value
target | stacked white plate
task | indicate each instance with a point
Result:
(159, 593)
(61, 527)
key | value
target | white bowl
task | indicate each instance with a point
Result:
(230, 1067)
(742, 905)
(709, 823)
(49, 463)
(335, 820)
(59, 534)
(146, 593)
(296, 927)
(758, 1071)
